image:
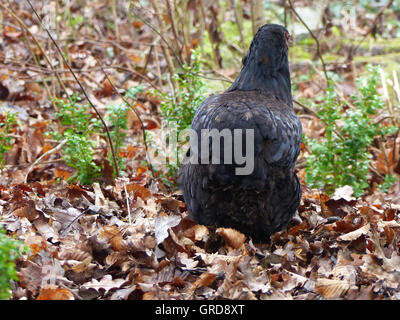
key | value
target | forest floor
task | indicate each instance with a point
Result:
(130, 238)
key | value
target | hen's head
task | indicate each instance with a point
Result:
(269, 46)
(266, 64)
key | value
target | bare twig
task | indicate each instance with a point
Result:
(162, 32)
(173, 28)
(140, 75)
(175, 55)
(214, 43)
(285, 13)
(372, 27)
(257, 14)
(385, 156)
(394, 146)
(396, 86)
(58, 147)
(397, 168)
(115, 16)
(171, 87)
(25, 165)
(82, 89)
(115, 43)
(158, 67)
(317, 116)
(36, 59)
(307, 109)
(202, 31)
(236, 6)
(127, 204)
(313, 36)
(23, 25)
(40, 69)
(134, 110)
(146, 63)
(374, 170)
(386, 96)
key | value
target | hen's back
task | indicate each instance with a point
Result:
(262, 202)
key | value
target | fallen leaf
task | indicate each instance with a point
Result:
(162, 224)
(137, 24)
(26, 212)
(205, 280)
(12, 33)
(106, 283)
(331, 288)
(114, 235)
(55, 293)
(355, 234)
(233, 238)
(62, 174)
(138, 191)
(345, 193)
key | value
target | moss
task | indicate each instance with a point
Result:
(299, 54)
(388, 45)
(389, 62)
(332, 57)
(306, 42)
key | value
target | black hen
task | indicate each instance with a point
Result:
(264, 201)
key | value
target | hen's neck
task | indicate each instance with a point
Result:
(265, 79)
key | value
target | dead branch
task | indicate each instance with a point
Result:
(313, 36)
(81, 87)
(135, 112)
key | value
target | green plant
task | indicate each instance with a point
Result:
(7, 121)
(73, 22)
(80, 129)
(179, 106)
(9, 252)
(78, 133)
(117, 119)
(342, 157)
(387, 183)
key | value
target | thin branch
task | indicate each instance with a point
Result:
(58, 147)
(214, 42)
(162, 32)
(394, 146)
(236, 6)
(134, 110)
(146, 63)
(317, 116)
(385, 156)
(285, 14)
(307, 109)
(128, 208)
(313, 36)
(23, 25)
(115, 43)
(257, 14)
(81, 86)
(371, 28)
(25, 165)
(41, 74)
(171, 49)
(173, 28)
(141, 76)
(202, 32)
(40, 69)
(115, 17)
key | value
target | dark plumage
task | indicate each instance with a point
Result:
(264, 201)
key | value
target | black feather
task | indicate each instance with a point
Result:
(260, 99)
